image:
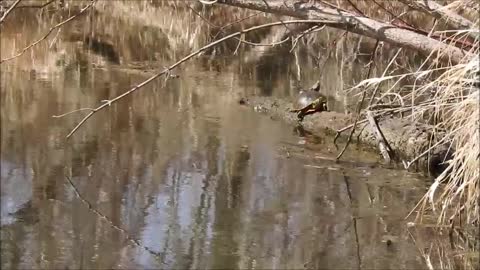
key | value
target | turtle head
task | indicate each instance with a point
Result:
(316, 86)
(324, 106)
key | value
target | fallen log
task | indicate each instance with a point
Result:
(406, 139)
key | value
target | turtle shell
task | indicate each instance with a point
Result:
(305, 98)
(309, 102)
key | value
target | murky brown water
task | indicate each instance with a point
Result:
(179, 175)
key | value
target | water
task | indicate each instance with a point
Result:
(179, 175)
(199, 180)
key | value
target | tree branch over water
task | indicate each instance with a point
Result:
(441, 13)
(49, 32)
(107, 103)
(9, 10)
(356, 24)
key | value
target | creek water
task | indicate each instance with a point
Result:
(179, 175)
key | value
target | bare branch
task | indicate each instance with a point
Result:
(408, 164)
(74, 111)
(49, 32)
(208, 2)
(9, 10)
(308, 31)
(359, 106)
(240, 40)
(356, 8)
(383, 75)
(136, 242)
(385, 149)
(186, 58)
(356, 24)
(37, 6)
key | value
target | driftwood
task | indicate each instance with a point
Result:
(356, 24)
(383, 146)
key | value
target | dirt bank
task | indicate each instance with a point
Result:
(407, 140)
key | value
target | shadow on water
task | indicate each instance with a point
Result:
(196, 180)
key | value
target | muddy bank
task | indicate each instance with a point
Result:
(407, 140)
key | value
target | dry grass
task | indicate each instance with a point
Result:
(448, 98)
(458, 250)
(457, 109)
(441, 94)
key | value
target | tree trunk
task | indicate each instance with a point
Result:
(356, 24)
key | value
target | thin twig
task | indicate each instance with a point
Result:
(339, 131)
(308, 31)
(363, 98)
(9, 10)
(238, 45)
(392, 14)
(110, 222)
(184, 59)
(408, 164)
(240, 40)
(278, 17)
(50, 31)
(385, 149)
(381, 113)
(37, 6)
(55, 38)
(359, 108)
(383, 75)
(264, 44)
(65, 114)
(360, 104)
(356, 8)
(208, 2)
(240, 20)
(330, 46)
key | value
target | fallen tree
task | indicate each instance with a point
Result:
(356, 24)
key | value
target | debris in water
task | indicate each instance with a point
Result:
(243, 101)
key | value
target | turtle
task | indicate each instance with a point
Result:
(310, 101)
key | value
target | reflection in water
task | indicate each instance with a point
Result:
(196, 180)
(16, 191)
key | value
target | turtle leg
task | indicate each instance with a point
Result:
(300, 116)
(311, 111)
(299, 130)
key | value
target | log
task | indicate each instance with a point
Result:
(355, 24)
(406, 139)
